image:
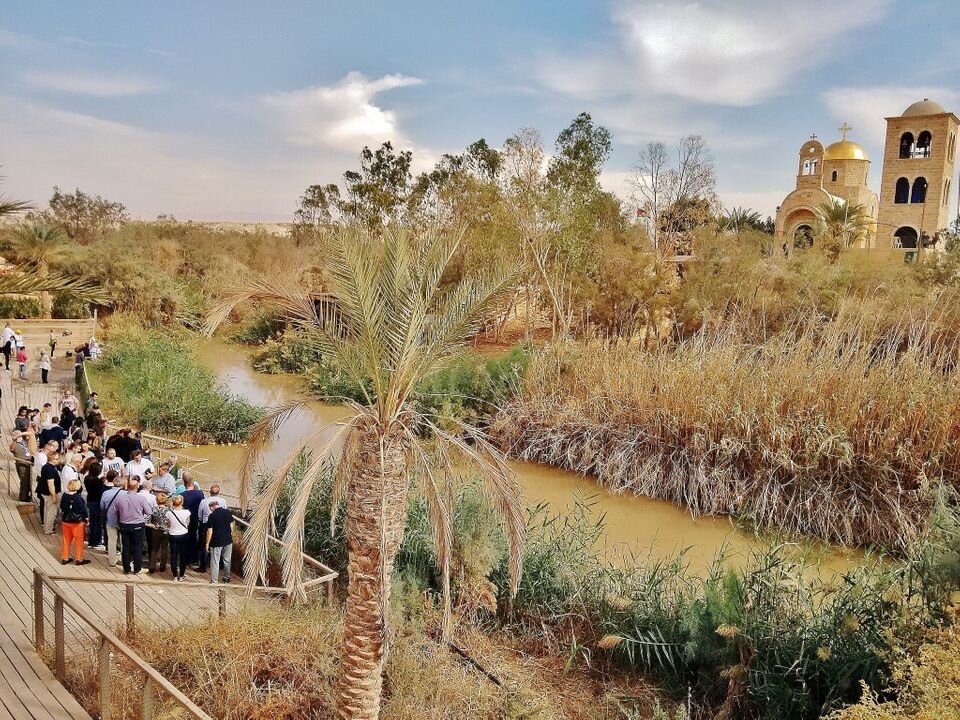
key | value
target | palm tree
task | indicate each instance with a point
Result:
(738, 220)
(38, 245)
(839, 225)
(388, 324)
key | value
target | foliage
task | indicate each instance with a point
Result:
(840, 225)
(258, 328)
(153, 380)
(841, 430)
(13, 307)
(81, 216)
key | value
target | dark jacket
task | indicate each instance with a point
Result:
(73, 508)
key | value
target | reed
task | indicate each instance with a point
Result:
(841, 431)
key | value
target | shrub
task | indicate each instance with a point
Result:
(19, 308)
(154, 380)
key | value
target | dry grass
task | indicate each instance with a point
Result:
(927, 684)
(280, 664)
(837, 431)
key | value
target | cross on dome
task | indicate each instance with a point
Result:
(844, 129)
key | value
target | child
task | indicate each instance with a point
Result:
(22, 362)
(44, 367)
(52, 343)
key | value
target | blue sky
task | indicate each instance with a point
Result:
(227, 110)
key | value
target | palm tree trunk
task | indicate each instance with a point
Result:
(376, 518)
(46, 298)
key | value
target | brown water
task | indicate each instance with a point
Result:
(632, 523)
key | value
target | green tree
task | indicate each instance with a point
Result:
(39, 245)
(388, 327)
(83, 217)
(377, 194)
(318, 207)
(736, 221)
(839, 225)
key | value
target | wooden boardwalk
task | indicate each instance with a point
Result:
(28, 689)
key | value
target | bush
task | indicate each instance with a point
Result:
(258, 328)
(19, 308)
(69, 307)
(154, 380)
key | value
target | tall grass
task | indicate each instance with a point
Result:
(840, 431)
(153, 380)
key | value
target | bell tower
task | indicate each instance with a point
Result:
(919, 162)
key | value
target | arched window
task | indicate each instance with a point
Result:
(946, 193)
(803, 237)
(924, 145)
(906, 238)
(919, 193)
(903, 191)
(833, 176)
(952, 147)
(906, 146)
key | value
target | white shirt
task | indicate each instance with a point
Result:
(69, 401)
(115, 464)
(39, 461)
(178, 520)
(68, 474)
(8, 335)
(18, 340)
(138, 469)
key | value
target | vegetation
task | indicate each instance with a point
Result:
(393, 326)
(152, 380)
(834, 431)
(772, 639)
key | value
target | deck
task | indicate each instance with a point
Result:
(28, 689)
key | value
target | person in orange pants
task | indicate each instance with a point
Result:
(74, 517)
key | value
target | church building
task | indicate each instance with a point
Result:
(919, 162)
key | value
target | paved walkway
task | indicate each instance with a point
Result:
(28, 689)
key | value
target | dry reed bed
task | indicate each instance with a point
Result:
(839, 432)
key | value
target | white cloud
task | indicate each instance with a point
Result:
(865, 108)
(729, 54)
(341, 116)
(96, 85)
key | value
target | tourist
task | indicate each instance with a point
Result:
(21, 423)
(112, 462)
(71, 469)
(40, 458)
(92, 400)
(44, 367)
(138, 466)
(18, 340)
(192, 497)
(93, 481)
(164, 481)
(74, 517)
(45, 414)
(68, 408)
(179, 521)
(219, 541)
(132, 510)
(52, 342)
(24, 463)
(48, 490)
(203, 514)
(22, 362)
(96, 443)
(8, 346)
(157, 529)
(53, 433)
(114, 487)
(176, 470)
(122, 443)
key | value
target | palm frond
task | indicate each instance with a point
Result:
(296, 303)
(439, 508)
(261, 434)
(30, 281)
(501, 486)
(12, 207)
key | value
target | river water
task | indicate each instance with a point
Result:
(633, 524)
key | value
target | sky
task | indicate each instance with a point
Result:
(223, 110)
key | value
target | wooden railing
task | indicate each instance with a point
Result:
(109, 644)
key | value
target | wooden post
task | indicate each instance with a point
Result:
(37, 610)
(222, 593)
(131, 621)
(148, 699)
(58, 639)
(103, 672)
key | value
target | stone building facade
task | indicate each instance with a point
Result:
(917, 182)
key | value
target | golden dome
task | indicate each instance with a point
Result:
(924, 107)
(844, 150)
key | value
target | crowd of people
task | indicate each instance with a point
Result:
(107, 495)
(13, 345)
